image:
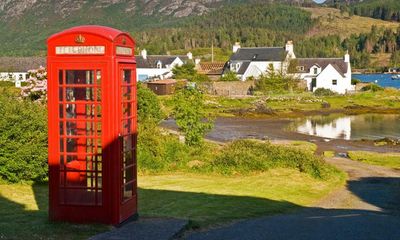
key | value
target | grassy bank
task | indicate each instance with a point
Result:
(391, 160)
(300, 104)
(203, 199)
(211, 200)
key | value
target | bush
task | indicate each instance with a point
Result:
(244, 156)
(7, 84)
(354, 81)
(323, 92)
(189, 113)
(23, 139)
(229, 76)
(372, 87)
(148, 105)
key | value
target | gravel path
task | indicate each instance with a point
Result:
(367, 208)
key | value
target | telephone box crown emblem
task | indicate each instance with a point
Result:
(80, 39)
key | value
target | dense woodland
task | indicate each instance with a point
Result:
(380, 9)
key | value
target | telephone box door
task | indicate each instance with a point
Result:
(80, 121)
(128, 138)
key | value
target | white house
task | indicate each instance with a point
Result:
(158, 66)
(15, 69)
(329, 73)
(252, 62)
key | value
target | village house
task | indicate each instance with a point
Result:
(328, 73)
(253, 62)
(15, 69)
(158, 67)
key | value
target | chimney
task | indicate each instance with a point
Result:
(236, 47)
(144, 53)
(347, 57)
(189, 55)
(289, 47)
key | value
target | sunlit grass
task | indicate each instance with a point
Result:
(203, 199)
(209, 200)
(391, 160)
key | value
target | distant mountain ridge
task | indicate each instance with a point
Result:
(14, 9)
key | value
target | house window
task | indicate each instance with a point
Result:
(315, 70)
(300, 68)
(159, 64)
(237, 66)
(334, 82)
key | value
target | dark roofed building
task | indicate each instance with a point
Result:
(252, 62)
(21, 64)
(305, 64)
(265, 54)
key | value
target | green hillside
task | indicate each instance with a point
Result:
(251, 24)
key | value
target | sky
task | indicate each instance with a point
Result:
(319, 1)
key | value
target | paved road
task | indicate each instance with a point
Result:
(367, 208)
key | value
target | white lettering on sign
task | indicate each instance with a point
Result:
(124, 51)
(85, 50)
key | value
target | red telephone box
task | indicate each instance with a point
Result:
(92, 125)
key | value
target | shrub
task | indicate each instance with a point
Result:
(324, 92)
(189, 113)
(244, 156)
(372, 87)
(23, 139)
(229, 76)
(148, 105)
(354, 81)
(186, 71)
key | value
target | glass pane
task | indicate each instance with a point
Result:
(79, 94)
(126, 93)
(128, 191)
(80, 77)
(60, 77)
(126, 76)
(61, 111)
(60, 94)
(127, 109)
(61, 124)
(98, 78)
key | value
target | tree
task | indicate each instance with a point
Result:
(185, 71)
(148, 105)
(190, 115)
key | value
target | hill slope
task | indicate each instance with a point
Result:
(332, 21)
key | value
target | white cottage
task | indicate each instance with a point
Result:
(328, 73)
(253, 62)
(151, 67)
(15, 69)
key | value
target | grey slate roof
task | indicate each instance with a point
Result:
(152, 60)
(337, 63)
(243, 68)
(268, 54)
(21, 64)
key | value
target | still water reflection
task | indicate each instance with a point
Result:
(365, 126)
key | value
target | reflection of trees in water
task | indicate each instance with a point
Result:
(376, 125)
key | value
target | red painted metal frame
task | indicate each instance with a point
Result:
(112, 209)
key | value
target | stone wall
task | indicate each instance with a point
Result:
(236, 88)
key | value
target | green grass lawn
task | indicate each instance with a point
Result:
(203, 199)
(391, 160)
(209, 200)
